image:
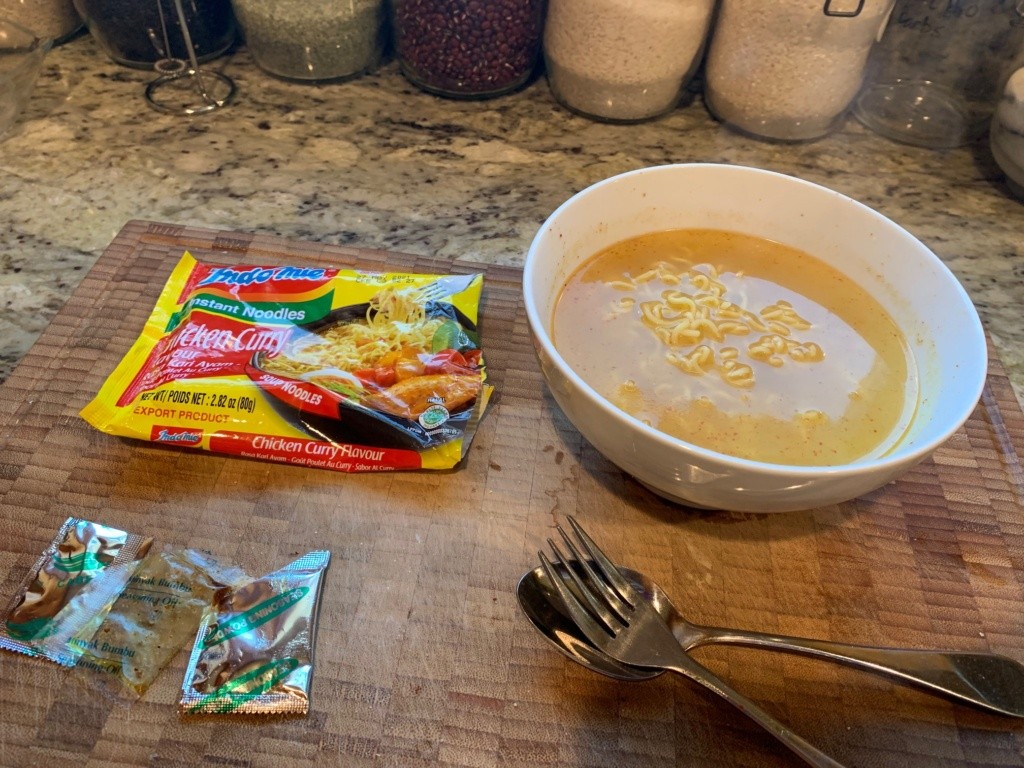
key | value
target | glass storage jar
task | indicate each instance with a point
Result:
(314, 39)
(622, 61)
(56, 20)
(22, 53)
(138, 33)
(467, 48)
(789, 69)
(1006, 134)
(935, 78)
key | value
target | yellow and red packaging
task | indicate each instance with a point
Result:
(342, 369)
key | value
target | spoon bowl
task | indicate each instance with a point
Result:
(543, 608)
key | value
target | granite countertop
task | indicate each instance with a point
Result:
(374, 162)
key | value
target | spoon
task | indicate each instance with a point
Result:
(986, 680)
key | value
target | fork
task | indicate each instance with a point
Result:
(620, 622)
(446, 286)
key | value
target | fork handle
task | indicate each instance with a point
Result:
(688, 667)
(986, 680)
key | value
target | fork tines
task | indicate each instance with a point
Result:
(607, 596)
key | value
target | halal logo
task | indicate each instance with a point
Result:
(434, 416)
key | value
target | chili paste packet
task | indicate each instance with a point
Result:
(58, 600)
(256, 655)
(167, 597)
(336, 368)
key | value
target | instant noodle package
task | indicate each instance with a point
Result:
(335, 368)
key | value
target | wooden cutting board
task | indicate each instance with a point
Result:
(423, 657)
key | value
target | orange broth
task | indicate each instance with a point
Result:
(800, 366)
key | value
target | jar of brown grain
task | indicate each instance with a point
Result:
(469, 49)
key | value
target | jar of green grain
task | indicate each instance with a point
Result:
(314, 39)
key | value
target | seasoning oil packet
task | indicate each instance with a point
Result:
(71, 587)
(169, 594)
(255, 656)
(336, 368)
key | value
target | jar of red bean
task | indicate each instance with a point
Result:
(469, 49)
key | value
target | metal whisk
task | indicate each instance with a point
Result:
(183, 88)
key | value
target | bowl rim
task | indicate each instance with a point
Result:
(888, 462)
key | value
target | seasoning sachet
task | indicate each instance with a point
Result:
(58, 601)
(255, 657)
(336, 368)
(167, 597)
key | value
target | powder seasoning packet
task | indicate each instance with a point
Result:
(58, 601)
(169, 595)
(256, 656)
(335, 368)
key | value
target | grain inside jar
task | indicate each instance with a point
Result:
(54, 19)
(314, 39)
(621, 61)
(138, 34)
(789, 69)
(468, 48)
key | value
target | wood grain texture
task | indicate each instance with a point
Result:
(423, 657)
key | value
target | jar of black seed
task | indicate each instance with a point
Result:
(139, 33)
(468, 49)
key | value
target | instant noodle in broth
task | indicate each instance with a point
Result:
(740, 345)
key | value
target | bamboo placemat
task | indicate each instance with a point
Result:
(423, 657)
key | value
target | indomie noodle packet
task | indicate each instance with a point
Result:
(256, 656)
(335, 368)
(59, 600)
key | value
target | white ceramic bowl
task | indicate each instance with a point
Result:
(915, 287)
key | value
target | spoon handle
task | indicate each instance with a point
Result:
(684, 665)
(986, 680)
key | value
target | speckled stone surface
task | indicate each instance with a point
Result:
(375, 162)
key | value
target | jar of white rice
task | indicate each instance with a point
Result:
(789, 69)
(622, 60)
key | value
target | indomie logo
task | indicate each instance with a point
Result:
(183, 436)
(256, 275)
